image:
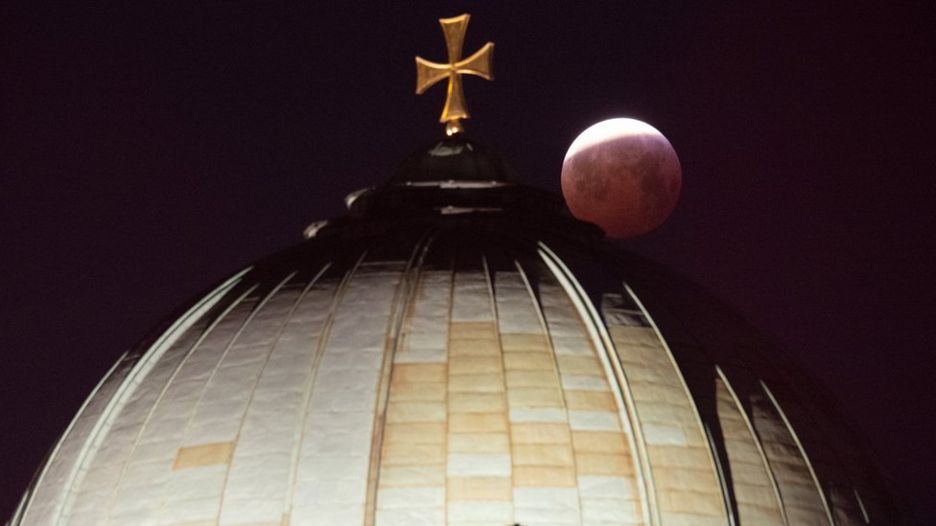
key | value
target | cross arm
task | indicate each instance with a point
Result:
(428, 74)
(480, 63)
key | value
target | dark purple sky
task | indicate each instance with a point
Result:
(147, 151)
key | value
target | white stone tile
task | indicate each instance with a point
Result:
(603, 487)
(253, 477)
(147, 474)
(478, 465)
(486, 511)
(594, 421)
(658, 434)
(584, 383)
(251, 511)
(544, 414)
(610, 511)
(572, 346)
(471, 300)
(203, 482)
(398, 498)
(547, 517)
(182, 510)
(547, 498)
(421, 516)
(327, 515)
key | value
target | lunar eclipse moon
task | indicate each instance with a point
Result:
(622, 175)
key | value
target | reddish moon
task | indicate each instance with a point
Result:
(623, 175)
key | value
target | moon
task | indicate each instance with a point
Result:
(622, 175)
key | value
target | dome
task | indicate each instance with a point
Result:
(461, 353)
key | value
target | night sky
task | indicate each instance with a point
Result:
(146, 152)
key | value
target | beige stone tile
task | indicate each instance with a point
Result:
(397, 453)
(478, 423)
(527, 397)
(662, 411)
(679, 456)
(582, 365)
(529, 361)
(419, 372)
(479, 488)
(399, 412)
(412, 476)
(460, 402)
(540, 433)
(203, 455)
(694, 502)
(634, 336)
(459, 330)
(662, 393)
(603, 464)
(524, 342)
(475, 364)
(540, 476)
(590, 400)
(600, 442)
(422, 392)
(474, 347)
(479, 443)
(542, 455)
(415, 433)
(670, 478)
(531, 379)
(477, 383)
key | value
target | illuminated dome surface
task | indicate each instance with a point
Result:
(456, 350)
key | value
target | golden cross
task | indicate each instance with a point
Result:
(428, 73)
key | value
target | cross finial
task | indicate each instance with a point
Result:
(428, 73)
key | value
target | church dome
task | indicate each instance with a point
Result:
(455, 350)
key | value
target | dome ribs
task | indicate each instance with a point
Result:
(479, 474)
(334, 463)
(609, 475)
(138, 386)
(814, 433)
(401, 305)
(411, 472)
(686, 482)
(323, 299)
(453, 369)
(543, 459)
(687, 316)
(264, 439)
(204, 400)
(754, 485)
(800, 490)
